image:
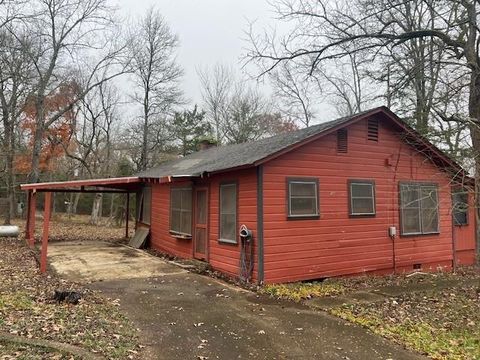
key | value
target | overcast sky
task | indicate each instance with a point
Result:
(210, 31)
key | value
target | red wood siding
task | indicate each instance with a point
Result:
(336, 244)
(160, 225)
(226, 257)
(222, 257)
(465, 241)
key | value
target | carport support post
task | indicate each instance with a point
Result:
(46, 223)
(30, 226)
(127, 214)
(27, 224)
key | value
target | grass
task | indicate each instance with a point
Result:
(301, 291)
(443, 324)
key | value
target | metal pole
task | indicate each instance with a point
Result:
(31, 223)
(27, 224)
(127, 215)
(46, 223)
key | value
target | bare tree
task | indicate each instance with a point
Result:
(15, 77)
(217, 84)
(65, 34)
(156, 75)
(295, 92)
(327, 30)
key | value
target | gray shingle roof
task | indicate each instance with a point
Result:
(232, 156)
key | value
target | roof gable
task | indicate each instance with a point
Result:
(218, 159)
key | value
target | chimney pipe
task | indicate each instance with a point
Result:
(206, 144)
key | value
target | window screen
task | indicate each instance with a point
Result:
(460, 207)
(228, 212)
(362, 197)
(302, 198)
(419, 209)
(181, 210)
(144, 201)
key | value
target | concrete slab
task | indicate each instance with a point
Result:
(103, 261)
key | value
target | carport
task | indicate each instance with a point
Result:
(124, 185)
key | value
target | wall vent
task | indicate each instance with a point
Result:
(372, 132)
(342, 141)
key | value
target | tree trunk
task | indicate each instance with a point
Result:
(34, 175)
(474, 114)
(9, 176)
(96, 209)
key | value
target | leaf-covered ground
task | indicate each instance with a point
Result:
(27, 310)
(77, 228)
(436, 314)
(444, 324)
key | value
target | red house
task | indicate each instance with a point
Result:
(361, 194)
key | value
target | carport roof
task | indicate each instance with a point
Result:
(123, 183)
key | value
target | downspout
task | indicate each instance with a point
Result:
(454, 247)
(260, 246)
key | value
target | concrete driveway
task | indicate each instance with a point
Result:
(183, 315)
(95, 261)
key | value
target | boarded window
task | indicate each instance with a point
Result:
(302, 198)
(228, 212)
(342, 141)
(362, 197)
(372, 132)
(460, 207)
(419, 209)
(181, 211)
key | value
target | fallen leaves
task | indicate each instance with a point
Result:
(445, 324)
(27, 309)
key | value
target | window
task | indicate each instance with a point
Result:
(460, 207)
(362, 197)
(302, 198)
(419, 209)
(342, 141)
(228, 213)
(181, 211)
(144, 201)
(372, 130)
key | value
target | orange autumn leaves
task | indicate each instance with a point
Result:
(56, 137)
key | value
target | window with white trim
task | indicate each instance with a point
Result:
(302, 198)
(419, 208)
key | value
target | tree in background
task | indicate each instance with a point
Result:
(294, 92)
(156, 76)
(15, 85)
(56, 138)
(71, 40)
(188, 127)
(216, 83)
(236, 110)
(408, 48)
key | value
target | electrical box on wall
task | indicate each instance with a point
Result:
(392, 231)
